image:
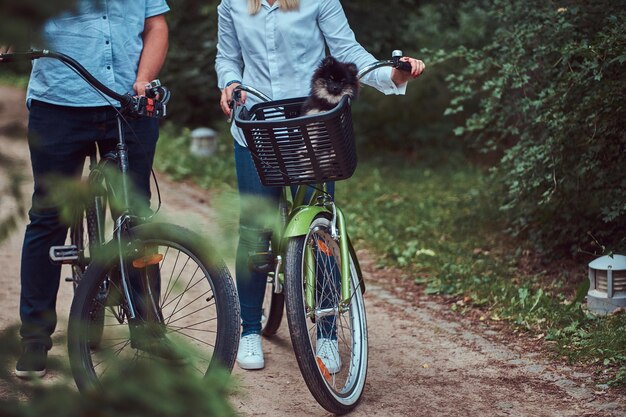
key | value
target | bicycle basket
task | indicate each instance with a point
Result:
(290, 149)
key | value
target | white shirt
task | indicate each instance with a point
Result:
(277, 52)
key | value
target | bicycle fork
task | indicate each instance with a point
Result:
(339, 235)
(124, 240)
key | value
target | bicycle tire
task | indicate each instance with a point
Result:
(340, 392)
(84, 221)
(273, 308)
(86, 235)
(214, 307)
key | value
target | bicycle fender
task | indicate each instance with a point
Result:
(299, 223)
(299, 226)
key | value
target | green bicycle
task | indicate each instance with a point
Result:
(311, 265)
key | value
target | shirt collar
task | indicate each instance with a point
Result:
(266, 4)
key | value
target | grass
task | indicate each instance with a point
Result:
(12, 79)
(438, 223)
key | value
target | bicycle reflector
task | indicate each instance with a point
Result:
(324, 248)
(323, 369)
(147, 260)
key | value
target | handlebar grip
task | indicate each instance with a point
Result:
(16, 56)
(403, 66)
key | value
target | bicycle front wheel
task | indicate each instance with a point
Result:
(194, 302)
(328, 328)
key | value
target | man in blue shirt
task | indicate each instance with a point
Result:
(123, 44)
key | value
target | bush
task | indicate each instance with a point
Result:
(550, 88)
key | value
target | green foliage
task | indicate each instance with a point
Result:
(153, 389)
(190, 67)
(415, 123)
(551, 90)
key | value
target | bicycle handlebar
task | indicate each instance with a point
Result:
(153, 104)
(394, 62)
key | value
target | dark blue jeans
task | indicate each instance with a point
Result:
(258, 209)
(59, 139)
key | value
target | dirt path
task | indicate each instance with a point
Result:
(422, 363)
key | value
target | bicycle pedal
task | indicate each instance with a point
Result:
(65, 254)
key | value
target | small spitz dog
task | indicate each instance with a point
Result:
(330, 82)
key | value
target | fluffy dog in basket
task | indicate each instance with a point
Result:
(331, 81)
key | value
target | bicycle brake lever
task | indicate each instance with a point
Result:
(231, 115)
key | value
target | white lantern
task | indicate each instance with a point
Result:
(607, 289)
(203, 142)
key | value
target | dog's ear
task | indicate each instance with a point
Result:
(352, 69)
(328, 61)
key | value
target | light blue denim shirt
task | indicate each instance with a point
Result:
(105, 36)
(277, 52)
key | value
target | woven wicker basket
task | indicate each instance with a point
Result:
(289, 149)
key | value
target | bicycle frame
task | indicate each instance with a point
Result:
(148, 106)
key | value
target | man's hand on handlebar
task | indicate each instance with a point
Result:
(227, 97)
(140, 87)
(400, 77)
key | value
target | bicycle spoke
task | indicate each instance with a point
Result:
(195, 338)
(193, 301)
(178, 297)
(193, 312)
(172, 274)
(190, 327)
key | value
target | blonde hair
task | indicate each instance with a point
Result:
(255, 5)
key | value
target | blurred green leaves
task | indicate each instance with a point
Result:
(550, 96)
(152, 389)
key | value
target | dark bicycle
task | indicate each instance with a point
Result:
(141, 287)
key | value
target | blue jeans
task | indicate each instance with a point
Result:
(258, 209)
(59, 139)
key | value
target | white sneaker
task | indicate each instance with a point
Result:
(250, 353)
(328, 351)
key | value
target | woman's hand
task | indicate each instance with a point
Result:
(400, 77)
(227, 94)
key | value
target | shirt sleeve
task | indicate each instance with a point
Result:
(228, 60)
(343, 45)
(156, 7)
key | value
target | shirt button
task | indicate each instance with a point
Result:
(108, 67)
(107, 42)
(104, 17)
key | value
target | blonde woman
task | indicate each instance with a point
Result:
(274, 46)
